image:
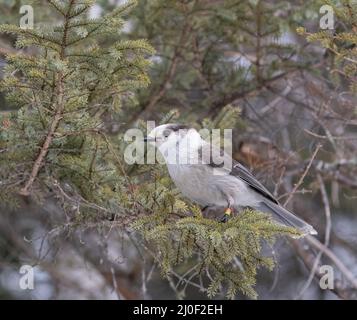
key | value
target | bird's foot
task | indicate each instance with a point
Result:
(227, 215)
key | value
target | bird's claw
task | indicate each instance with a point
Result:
(227, 215)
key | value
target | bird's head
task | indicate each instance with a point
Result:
(171, 135)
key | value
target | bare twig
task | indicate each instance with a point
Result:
(297, 185)
(339, 264)
(327, 236)
(333, 137)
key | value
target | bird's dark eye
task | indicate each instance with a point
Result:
(166, 133)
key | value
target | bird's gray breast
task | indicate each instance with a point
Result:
(200, 184)
(194, 181)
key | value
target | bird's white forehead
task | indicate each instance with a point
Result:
(157, 131)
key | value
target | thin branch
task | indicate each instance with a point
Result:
(326, 137)
(327, 236)
(339, 264)
(297, 185)
(158, 95)
(57, 117)
(44, 149)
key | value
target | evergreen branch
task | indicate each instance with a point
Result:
(118, 161)
(57, 7)
(57, 117)
(123, 9)
(40, 37)
(44, 149)
(155, 97)
(106, 21)
(80, 11)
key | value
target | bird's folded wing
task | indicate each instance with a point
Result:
(243, 173)
(235, 169)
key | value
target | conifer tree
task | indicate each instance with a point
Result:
(56, 145)
(61, 93)
(340, 42)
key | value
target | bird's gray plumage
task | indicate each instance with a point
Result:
(236, 170)
(223, 183)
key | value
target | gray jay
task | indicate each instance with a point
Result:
(229, 185)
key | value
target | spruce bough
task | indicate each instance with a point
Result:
(67, 78)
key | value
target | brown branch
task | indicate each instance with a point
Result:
(308, 258)
(326, 137)
(158, 95)
(6, 48)
(219, 104)
(25, 191)
(339, 264)
(312, 261)
(297, 185)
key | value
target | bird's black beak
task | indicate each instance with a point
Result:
(149, 139)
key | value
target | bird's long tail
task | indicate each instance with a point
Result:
(285, 217)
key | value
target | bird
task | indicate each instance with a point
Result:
(227, 185)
